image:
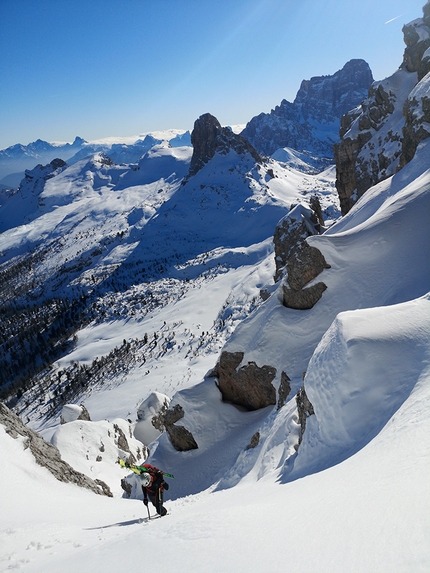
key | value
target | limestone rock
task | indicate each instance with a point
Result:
(284, 390)
(380, 136)
(255, 440)
(181, 438)
(303, 265)
(250, 386)
(47, 455)
(305, 409)
(208, 138)
(292, 230)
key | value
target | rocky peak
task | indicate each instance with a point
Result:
(208, 138)
(325, 98)
(381, 135)
(311, 123)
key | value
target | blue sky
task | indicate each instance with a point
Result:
(98, 68)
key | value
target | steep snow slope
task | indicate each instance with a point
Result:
(379, 260)
(368, 513)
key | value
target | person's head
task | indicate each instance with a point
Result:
(145, 479)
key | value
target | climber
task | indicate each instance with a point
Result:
(153, 486)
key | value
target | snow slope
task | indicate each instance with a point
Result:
(355, 495)
(368, 513)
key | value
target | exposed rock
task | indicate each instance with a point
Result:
(284, 390)
(208, 138)
(47, 455)
(417, 114)
(380, 136)
(181, 438)
(121, 440)
(127, 487)
(305, 409)
(291, 232)
(249, 386)
(303, 299)
(311, 123)
(255, 440)
(303, 265)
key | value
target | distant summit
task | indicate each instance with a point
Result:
(208, 138)
(311, 123)
(16, 159)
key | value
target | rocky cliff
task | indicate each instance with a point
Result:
(47, 455)
(382, 134)
(311, 122)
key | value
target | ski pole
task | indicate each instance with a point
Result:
(149, 515)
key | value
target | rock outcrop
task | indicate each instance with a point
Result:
(304, 409)
(181, 438)
(208, 138)
(292, 230)
(381, 135)
(47, 455)
(311, 123)
(249, 386)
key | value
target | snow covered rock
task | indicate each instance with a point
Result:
(47, 455)
(311, 123)
(72, 412)
(93, 448)
(382, 134)
(208, 138)
(150, 417)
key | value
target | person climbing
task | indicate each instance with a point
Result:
(153, 486)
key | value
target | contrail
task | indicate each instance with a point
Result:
(392, 19)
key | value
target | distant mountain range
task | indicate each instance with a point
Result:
(310, 124)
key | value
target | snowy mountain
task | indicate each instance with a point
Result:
(382, 134)
(210, 306)
(15, 160)
(311, 123)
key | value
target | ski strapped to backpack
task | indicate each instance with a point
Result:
(139, 469)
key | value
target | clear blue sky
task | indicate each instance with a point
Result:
(97, 68)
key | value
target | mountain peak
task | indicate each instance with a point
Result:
(209, 137)
(312, 122)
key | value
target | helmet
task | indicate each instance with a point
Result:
(145, 479)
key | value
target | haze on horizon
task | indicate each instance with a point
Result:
(104, 68)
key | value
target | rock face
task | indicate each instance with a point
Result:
(311, 123)
(47, 455)
(181, 438)
(304, 409)
(250, 386)
(297, 263)
(208, 138)
(381, 135)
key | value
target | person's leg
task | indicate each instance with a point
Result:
(159, 503)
